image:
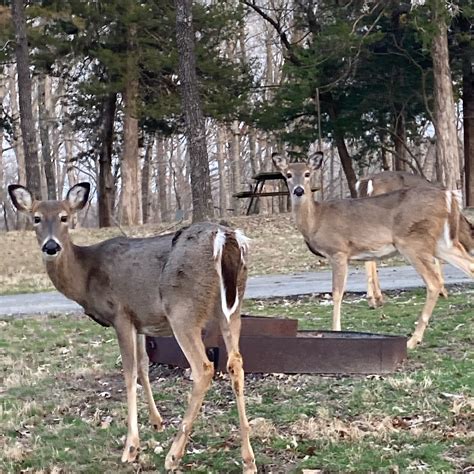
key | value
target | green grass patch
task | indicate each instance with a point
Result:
(63, 405)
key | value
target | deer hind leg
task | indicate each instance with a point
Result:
(231, 333)
(127, 338)
(339, 277)
(190, 341)
(439, 269)
(457, 256)
(374, 293)
(143, 361)
(424, 265)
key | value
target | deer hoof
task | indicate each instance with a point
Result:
(156, 423)
(130, 451)
(413, 342)
(376, 302)
(443, 292)
(249, 467)
(158, 427)
(171, 462)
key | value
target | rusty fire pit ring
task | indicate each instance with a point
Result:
(274, 345)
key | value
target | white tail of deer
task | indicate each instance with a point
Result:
(420, 223)
(176, 283)
(388, 181)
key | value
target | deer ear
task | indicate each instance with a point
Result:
(315, 161)
(78, 195)
(21, 197)
(279, 161)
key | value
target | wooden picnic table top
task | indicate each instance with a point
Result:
(264, 175)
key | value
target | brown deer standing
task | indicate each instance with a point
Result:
(386, 182)
(152, 286)
(419, 223)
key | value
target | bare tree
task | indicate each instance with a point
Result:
(3, 197)
(221, 152)
(161, 181)
(444, 109)
(44, 115)
(129, 199)
(146, 199)
(468, 120)
(33, 178)
(106, 189)
(195, 132)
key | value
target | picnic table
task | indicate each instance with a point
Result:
(257, 191)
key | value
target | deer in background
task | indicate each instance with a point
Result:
(386, 182)
(174, 283)
(419, 223)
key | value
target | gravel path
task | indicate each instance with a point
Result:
(259, 287)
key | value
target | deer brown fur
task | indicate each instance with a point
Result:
(152, 286)
(419, 223)
(388, 181)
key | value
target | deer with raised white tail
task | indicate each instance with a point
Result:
(170, 284)
(419, 223)
(386, 182)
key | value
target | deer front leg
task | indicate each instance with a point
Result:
(339, 276)
(127, 339)
(143, 361)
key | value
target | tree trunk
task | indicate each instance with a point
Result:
(253, 150)
(468, 121)
(344, 156)
(444, 109)
(69, 158)
(161, 181)
(234, 147)
(17, 140)
(194, 120)
(33, 179)
(129, 196)
(106, 190)
(3, 196)
(399, 139)
(44, 116)
(221, 168)
(146, 201)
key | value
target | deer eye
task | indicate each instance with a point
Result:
(37, 219)
(63, 218)
(307, 174)
(289, 175)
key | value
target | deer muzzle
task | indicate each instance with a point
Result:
(298, 191)
(51, 248)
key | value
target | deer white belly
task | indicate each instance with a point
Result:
(380, 252)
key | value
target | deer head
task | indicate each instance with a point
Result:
(298, 175)
(50, 218)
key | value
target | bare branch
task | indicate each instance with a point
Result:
(278, 28)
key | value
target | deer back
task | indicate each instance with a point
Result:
(388, 181)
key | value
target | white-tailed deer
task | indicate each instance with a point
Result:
(176, 283)
(386, 182)
(419, 223)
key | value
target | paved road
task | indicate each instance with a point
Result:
(260, 287)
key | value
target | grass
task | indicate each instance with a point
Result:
(63, 399)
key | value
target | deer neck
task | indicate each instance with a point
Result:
(68, 273)
(306, 215)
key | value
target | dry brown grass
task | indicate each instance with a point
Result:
(277, 247)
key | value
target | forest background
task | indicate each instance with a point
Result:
(92, 91)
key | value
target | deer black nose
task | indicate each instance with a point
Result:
(298, 191)
(51, 247)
